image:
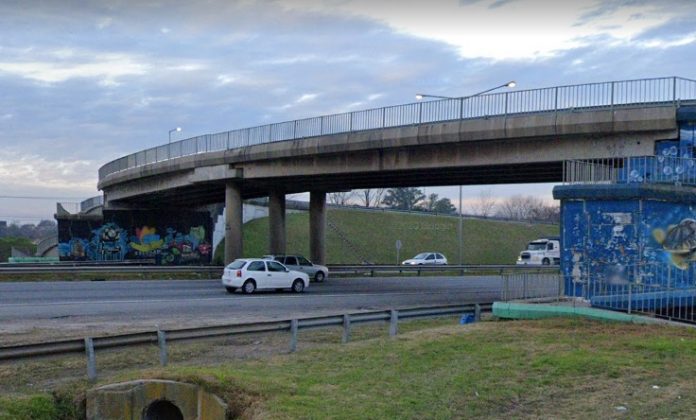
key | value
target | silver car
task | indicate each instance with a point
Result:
(299, 263)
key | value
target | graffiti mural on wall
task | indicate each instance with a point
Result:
(618, 242)
(166, 238)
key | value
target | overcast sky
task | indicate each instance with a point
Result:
(85, 82)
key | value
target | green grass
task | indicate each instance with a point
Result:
(38, 407)
(557, 368)
(375, 234)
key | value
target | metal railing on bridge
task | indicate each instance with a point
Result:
(665, 90)
(661, 169)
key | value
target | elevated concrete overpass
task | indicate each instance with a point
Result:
(512, 137)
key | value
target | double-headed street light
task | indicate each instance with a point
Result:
(419, 96)
(510, 84)
(171, 131)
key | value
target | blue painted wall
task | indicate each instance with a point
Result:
(609, 240)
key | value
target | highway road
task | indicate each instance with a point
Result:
(118, 306)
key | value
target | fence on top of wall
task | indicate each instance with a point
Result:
(661, 169)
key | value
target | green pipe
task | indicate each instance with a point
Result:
(535, 311)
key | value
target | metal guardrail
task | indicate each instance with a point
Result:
(418, 269)
(72, 268)
(665, 168)
(664, 90)
(90, 345)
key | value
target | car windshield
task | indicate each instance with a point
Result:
(536, 246)
(421, 256)
(235, 265)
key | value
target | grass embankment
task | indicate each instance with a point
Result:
(374, 234)
(568, 368)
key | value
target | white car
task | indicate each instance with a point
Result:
(299, 263)
(258, 274)
(430, 258)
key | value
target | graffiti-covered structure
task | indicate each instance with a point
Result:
(629, 226)
(165, 237)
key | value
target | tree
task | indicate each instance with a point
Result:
(485, 203)
(371, 197)
(341, 198)
(403, 198)
(444, 206)
(438, 205)
(520, 207)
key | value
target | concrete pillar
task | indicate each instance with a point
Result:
(276, 220)
(317, 227)
(233, 222)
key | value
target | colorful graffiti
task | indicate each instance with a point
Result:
(124, 238)
(625, 241)
(679, 242)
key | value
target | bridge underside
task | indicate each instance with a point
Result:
(214, 192)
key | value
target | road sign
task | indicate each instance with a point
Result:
(398, 244)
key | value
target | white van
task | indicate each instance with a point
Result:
(542, 251)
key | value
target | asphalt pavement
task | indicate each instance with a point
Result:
(111, 306)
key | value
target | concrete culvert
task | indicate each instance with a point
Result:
(163, 410)
(155, 400)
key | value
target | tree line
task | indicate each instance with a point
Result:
(517, 207)
(30, 231)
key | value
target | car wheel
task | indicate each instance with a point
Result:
(545, 261)
(249, 286)
(319, 277)
(298, 286)
(230, 290)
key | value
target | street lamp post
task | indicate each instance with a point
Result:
(169, 146)
(171, 131)
(419, 96)
(510, 84)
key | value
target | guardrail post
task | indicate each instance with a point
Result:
(162, 343)
(91, 360)
(393, 323)
(346, 329)
(294, 324)
(477, 312)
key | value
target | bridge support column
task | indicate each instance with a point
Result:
(233, 222)
(317, 227)
(276, 219)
